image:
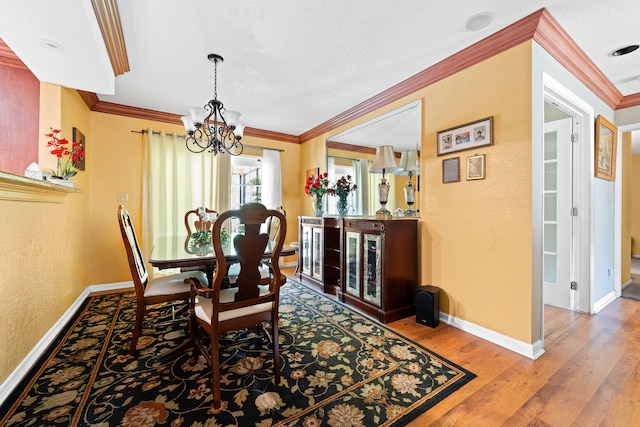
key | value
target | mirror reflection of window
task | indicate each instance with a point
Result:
(338, 167)
(401, 128)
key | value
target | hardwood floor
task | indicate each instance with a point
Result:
(589, 375)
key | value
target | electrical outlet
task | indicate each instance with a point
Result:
(123, 197)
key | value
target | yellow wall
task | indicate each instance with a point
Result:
(635, 205)
(474, 236)
(627, 183)
(117, 168)
(44, 266)
(476, 241)
(53, 251)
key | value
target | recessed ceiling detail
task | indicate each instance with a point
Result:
(478, 22)
(50, 44)
(625, 50)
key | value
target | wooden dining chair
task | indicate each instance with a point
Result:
(193, 220)
(251, 301)
(154, 291)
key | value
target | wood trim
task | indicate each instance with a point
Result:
(539, 26)
(267, 134)
(554, 39)
(350, 147)
(498, 42)
(108, 17)
(9, 58)
(89, 98)
(135, 112)
(98, 106)
(627, 101)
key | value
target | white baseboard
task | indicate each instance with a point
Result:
(604, 301)
(532, 351)
(27, 363)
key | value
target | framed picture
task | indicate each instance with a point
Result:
(313, 173)
(451, 170)
(465, 137)
(79, 137)
(605, 149)
(475, 167)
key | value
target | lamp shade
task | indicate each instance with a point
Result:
(409, 163)
(188, 124)
(231, 117)
(385, 160)
(198, 114)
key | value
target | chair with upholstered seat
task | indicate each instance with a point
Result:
(200, 219)
(197, 221)
(154, 291)
(252, 299)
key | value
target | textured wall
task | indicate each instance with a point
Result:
(476, 240)
(43, 269)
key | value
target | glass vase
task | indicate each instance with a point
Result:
(318, 205)
(342, 205)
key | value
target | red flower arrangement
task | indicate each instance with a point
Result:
(67, 158)
(342, 187)
(317, 187)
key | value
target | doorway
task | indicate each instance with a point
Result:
(562, 256)
(557, 206)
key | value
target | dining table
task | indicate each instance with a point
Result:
(179, 251)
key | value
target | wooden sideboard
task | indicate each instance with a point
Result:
(370, 263)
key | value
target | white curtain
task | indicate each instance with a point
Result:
(271, 179)
(331, 171)
(176, 180)
(362, 196)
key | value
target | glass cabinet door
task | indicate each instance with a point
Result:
(352, 263)
(316, 256)
(372, 257)
(306, 250)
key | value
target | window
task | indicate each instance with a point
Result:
(246, 180)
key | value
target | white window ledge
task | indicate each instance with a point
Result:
(23, 189)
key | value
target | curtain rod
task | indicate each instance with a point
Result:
(155, 132)
(344, 158)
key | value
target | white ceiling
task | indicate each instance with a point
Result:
(290, 65)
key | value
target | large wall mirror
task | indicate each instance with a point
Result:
(352, 153)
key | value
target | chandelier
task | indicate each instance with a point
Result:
(213, 128)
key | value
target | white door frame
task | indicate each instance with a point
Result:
(583, 119)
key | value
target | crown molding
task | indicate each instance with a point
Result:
(108, 17)
(627, 101)
(349, 147)
(267, 134)
(539, 26)
(9, 58)
(498, 42)
(555, 40)
(98, 106)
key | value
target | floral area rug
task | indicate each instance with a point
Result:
(338, 368)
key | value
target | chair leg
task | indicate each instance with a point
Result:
(215, 370)
(276, 348)
(137, 327)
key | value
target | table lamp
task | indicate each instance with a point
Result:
(410, 167)
(384, 162)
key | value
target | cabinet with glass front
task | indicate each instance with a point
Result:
(380, 266)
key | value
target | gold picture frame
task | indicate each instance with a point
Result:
(475, 167)
(605, 149)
